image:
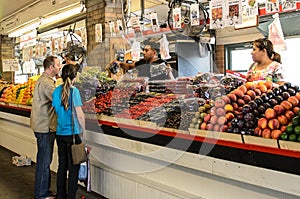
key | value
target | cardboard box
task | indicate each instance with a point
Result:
(21, 161)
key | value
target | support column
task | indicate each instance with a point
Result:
(100, 11)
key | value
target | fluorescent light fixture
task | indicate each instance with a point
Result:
(47, 20)
(21, 31)
(60, 16)
(48, 33)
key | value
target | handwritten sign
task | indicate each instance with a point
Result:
(10, 65)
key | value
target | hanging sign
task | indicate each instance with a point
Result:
(195, 15)
(249, 14)
(98, 32)
(28, 39)
(217, 11)
(234, 14)
(177, 17)
(154, 22)
(272, 6)
(10, 65)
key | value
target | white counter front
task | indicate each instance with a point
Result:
(129, 169)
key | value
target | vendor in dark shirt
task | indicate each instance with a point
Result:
(150, 66)
(69, 58)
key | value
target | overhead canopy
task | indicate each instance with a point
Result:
(289, 23)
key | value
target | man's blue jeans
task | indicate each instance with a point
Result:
(45, 144)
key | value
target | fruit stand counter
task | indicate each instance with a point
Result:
(191, 164)
(135, 159)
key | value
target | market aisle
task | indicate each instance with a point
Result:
(17, 182)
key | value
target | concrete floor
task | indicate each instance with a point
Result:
(18, 182)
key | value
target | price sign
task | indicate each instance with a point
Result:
(10, 65)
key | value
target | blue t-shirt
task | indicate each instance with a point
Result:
(64, 117)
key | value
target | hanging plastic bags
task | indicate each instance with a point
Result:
(136, 50)
(276, 34)
(164, 48)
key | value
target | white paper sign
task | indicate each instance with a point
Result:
(10, 65)
(112, 29)
(154, 22)
(177, 17)
(217, 13)
(249, 14)
(234, 15)
(98, 32)
(195, 15)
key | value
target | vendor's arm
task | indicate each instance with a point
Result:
(125, 66)
(169, 71)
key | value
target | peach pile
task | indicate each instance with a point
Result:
(229, 107)
(262, 109)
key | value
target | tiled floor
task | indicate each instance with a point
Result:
(18, 182)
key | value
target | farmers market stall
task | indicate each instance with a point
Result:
(166, 137)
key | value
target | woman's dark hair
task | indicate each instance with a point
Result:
(268, 45)
(68, 74)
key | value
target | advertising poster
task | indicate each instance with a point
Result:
(154, 22)
(288, 5)
(195, 15)
(217, 14)
(10, 65)
(272, 6)
(120, 27)
(249, 14)
(234, 12)
(177, 17)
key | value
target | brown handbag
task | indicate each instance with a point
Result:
(79, 154)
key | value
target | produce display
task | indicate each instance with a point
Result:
(252, 108)
(95, 89)
(149, 104)
(207, 102)
(255, 109)
(19, 93)
(211, 86)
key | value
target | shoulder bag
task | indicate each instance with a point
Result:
(79, 154)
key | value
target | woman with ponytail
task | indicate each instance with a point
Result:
(267, 63)
(70, 119)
